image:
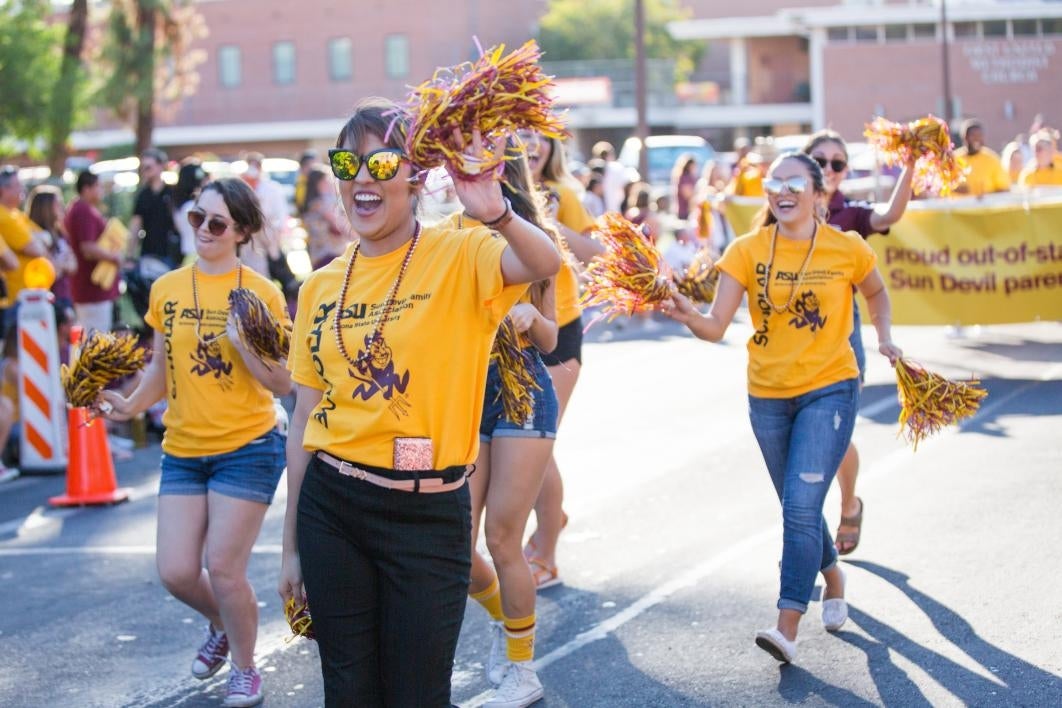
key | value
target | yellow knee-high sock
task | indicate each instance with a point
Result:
(520, 638)
(491, 600)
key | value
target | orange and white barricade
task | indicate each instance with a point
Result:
(43, 443)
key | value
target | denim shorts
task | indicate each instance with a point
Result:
(543, 420)
(250, 472)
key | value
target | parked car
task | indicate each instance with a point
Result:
(664, 150)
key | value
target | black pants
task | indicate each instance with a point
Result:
(386, 576)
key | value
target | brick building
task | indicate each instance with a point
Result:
(281, 76)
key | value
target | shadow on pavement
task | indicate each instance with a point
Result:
(1023, 683)
(797, 685)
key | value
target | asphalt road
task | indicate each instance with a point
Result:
(669, 562)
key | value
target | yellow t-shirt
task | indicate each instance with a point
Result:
(570, 213)
(426, 379)
(215, 405)
(16, 229)
(806, 347)
(986, 174)
(1034, 176)
(748, 182)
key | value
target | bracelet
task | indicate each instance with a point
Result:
(502, 220)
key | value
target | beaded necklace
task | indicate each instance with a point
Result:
(377, 333)
(195, 302)
(794, 285)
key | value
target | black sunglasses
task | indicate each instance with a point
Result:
(837, 165)
(382, 164)
(216, 226)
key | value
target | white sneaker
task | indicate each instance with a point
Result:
(519, 688)
(835, 611)
(774, 643)
(497, 661)
(8, 473)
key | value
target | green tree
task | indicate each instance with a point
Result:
(604, 29)
(69, 88)
(29, 61)
(149, 61)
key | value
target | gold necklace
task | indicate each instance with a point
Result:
(195, 303)
(377, 333)
(794, 285)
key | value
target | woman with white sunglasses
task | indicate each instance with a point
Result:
(803, 379)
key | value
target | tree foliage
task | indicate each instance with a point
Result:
(69, 88)
(29, 64)
(604, 29)
(149, 61)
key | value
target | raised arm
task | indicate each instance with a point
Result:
(885, 215)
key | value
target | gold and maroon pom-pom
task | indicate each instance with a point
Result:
(497, 95)
(630, 276)
(928, 401)
(928, 143)
(261, 333)
(700, 278)
(104, 358)
(517, 383)
(298, 616)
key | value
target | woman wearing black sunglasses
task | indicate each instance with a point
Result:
(389, 353)
(803, 379)
(222, 455)
(829, 150)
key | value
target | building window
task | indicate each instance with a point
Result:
(895, 33)
(1051, 26)
(396, 55)
(924, 31)
(229, 66)
(996, 29)
(1025, 28)
(866, 34)
(965, 30)
(340, 59)
(284, 63)
(837, 34)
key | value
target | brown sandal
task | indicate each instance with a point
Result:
(842, 540)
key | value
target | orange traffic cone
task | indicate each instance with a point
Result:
(90, 472)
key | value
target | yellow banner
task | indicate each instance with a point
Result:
(966, 261)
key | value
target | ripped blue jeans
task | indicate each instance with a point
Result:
(803, 440)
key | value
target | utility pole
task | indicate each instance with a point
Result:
(945, 65)
(640, 87)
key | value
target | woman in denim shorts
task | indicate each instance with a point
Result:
(222, 455)
(803, 378)
(509, 472)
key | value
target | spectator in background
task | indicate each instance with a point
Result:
(190, 179)
(306, 165)
(48, 211)
(709, 208)
(1046, 169)
(84, 226)
(683, 183)
(742, 148)
(987, 174)
(152, 224)
(264, 253)
(1013, 158)
(594, 197)
(326, 236)
(615, 174)
(748, 176)
(641, 212)
(17, 232)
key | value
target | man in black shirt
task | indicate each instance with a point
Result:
(152, 220)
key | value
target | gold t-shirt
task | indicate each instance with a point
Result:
(570, 213)
(806, 347)
(1034, 176)
(986, 174)
(426, 377)
(16, 230)
(214, 404)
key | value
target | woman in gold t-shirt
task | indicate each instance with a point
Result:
(803, 379)
(549, 167)
(389, 353)
(222, 455)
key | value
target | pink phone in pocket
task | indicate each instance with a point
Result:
(413, 454)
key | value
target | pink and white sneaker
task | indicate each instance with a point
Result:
(212, 653)
(244, 689)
